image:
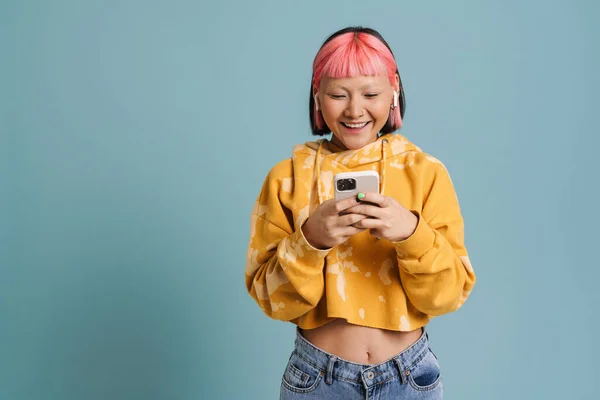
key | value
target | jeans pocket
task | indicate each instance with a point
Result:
(425, 374)
(300, 376)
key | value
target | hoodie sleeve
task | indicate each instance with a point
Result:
(284, 273)
(434, 265)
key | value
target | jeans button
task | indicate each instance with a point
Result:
(370, 375)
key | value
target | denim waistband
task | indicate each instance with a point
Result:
(367, 374)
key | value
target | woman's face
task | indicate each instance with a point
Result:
(356, 108)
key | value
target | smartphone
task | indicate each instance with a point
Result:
(350, 184)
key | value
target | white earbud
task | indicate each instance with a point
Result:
(396, 94)
(317, 105)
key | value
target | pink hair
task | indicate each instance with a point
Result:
(353, 54)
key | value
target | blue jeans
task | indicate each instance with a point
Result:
(313, 374)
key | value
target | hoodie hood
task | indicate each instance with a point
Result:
(327, 159)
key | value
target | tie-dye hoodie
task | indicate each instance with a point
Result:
(366, 281)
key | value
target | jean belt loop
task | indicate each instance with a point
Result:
(329, 376)
(401, 371)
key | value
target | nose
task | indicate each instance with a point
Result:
(354, 109)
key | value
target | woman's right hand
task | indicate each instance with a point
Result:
(329, 226)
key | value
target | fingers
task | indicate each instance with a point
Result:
(367, 210)
(371, 223)
(342, 205)
(380, 200)
(351, 219)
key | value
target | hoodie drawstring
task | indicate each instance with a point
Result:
(384, 144)
(318, 171)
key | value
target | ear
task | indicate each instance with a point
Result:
(317, 102)
(396, 82)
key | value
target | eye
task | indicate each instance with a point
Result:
(337, 96)
(371, 95)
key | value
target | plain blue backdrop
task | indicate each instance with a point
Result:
(135, 136)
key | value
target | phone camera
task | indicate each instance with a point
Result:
(344, 185)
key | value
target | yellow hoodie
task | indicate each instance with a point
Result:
(366, 281)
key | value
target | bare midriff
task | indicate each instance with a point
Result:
(360, 344)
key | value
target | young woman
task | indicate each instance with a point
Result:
(360, 277)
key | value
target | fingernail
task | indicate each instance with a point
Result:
(360, 196)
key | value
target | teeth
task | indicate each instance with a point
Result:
(355, 126)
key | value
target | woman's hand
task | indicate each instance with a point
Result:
(332, 224)
(387, 219)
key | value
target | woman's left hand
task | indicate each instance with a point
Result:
(388, 218)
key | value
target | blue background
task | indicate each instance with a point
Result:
(135, 136)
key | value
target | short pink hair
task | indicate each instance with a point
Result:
(353, 54)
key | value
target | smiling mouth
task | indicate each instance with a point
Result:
(356, 125)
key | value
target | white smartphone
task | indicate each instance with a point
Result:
(350, 184)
